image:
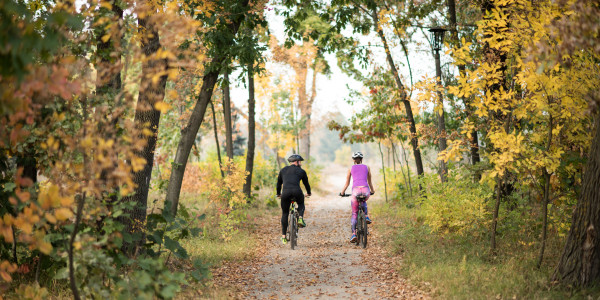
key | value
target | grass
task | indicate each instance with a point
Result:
(452, 266)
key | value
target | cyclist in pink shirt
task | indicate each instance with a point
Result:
(361, 185)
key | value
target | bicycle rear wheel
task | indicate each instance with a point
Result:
(363, 237)
(359, 228)
(294, 231)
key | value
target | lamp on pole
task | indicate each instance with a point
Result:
(437, 42)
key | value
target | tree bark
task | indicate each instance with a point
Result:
(212, 107)
(251, 134)
(227, 115)
(188, 136)
(189, 132)
(546, 176)
(109, 68)
(146, 113)
(409, 115)
(579, 264)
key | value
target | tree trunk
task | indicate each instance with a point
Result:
(108, 77)
(146, 113)
(227, 115)
(383, 169)
(579, 264)
(188, 136)
(189, 132)
(251, 134)
(407, 167)
(495, 214)
(409, 115)
(443, 171)
(546, 194)
(212, 107)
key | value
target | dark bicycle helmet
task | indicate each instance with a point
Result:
(295, 157)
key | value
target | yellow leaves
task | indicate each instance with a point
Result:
(162, 106)
(51, 143)
(105, 38)
(6, 268)
(138, 163)
(63, 213)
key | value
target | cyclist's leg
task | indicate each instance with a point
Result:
(285, 211)
(354, 205)
(300, 201)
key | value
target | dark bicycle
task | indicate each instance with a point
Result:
(362, 230)
(292, 230)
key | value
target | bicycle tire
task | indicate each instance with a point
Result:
(294, 231)
(359, 229)
(365, 232)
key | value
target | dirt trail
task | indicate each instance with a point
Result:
(325, 265)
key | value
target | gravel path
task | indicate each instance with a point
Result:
(325, 265)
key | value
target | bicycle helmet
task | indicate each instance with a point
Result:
(295, 157)
(357, 154)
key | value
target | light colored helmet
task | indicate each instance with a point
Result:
(357, 154)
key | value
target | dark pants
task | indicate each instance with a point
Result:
(286, 200)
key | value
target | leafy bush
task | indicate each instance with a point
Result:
(458, 205)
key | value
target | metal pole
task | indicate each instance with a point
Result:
(443, 171)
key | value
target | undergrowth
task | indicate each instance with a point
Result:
(461, 266)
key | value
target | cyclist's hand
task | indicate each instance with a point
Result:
(308, 195)
(373, 192)
(278, 196)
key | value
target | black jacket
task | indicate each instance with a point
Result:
(290, 177)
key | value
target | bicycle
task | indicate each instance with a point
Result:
(362, 230)
(292, 230)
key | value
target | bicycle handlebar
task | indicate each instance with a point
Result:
(348, 195)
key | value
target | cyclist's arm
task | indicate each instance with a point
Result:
(305, 182)
(279, 184)
(369, 180)
(347, 182)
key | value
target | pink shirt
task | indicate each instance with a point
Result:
(359, 174)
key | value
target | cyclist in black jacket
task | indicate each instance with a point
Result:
(290, 177)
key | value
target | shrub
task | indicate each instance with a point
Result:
(457, 206)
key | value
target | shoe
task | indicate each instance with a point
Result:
(301, 223)
(353, 238)
(284, 240)
(368, 220)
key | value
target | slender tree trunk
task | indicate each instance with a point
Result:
(227, 116)
(443, 170)
(544, 217)
(251, 134)
(383, 169)
(188, 136)
(406, 181)
(546, 195)
(212, 107)
(495, 215)
(146, 115)
(579, 264)
(407, 167)
(189, 132)
(403, 95)
(108, 77)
